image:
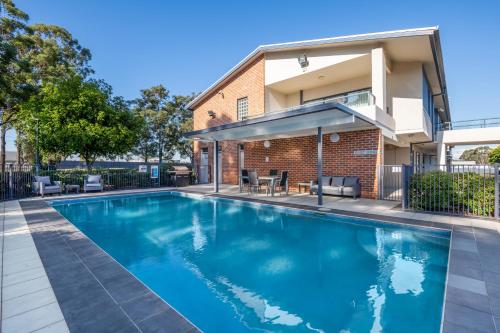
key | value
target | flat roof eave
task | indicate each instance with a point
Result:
(303, 121)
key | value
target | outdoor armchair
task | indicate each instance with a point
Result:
(93, 183)
(43, 185)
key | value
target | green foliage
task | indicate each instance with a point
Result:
(450, 192)
(478, 155)
(494, 156)
(74, 116)
(166, 119)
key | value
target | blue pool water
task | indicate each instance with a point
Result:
(230, 266)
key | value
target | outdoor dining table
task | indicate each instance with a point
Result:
(270, 180)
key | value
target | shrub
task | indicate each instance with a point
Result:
(494, 156)
(453, 192)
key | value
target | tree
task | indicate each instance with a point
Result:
(81, 117)
(494, 156)
(183, 123)
(146, 146)
(479, 155)
(29, 56)
(153, 106)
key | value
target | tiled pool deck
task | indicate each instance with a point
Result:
(55, 279)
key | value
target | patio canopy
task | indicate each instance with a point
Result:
(304, 120)
(298, 121)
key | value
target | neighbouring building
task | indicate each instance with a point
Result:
(377, 99)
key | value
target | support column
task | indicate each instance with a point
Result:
(320, 166)
(216, 166)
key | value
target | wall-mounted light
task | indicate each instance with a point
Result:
(303, 62)
(211, 114)
(334, 137)
(267, 144)
(221, 93)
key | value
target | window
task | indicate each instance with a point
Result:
(242, 108)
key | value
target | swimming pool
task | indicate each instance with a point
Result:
(233, 266)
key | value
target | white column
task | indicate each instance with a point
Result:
(379, 78)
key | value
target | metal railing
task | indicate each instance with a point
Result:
(17, 180)
(474, 123)
(352, 100)
(470, 190)
(391, 182)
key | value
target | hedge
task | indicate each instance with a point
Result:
(453, 192)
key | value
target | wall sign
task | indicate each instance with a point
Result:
(154, 171)
(143, 168)
(364, 152)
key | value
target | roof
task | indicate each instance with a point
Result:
(432, 32)
(302, 120)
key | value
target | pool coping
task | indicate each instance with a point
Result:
(472, 289)
(94, 291)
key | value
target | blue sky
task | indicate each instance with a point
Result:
(186, 45)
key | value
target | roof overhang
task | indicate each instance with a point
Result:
(300, 121)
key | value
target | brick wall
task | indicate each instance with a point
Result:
(299, 156)
(249, 82)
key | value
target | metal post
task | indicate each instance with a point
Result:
(216, 166)
(11, 183)
(497, 190)
(37, 151)
(320, 166)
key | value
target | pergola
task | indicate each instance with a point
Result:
(305, 120)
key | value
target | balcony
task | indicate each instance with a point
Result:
(352, 100)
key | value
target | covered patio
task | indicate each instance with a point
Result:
(309, 120)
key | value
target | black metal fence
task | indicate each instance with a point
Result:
(454, 189)
(17, 180)
(449, 189)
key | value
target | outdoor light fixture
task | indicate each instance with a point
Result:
(267, 144)
(334, 137)
(211, 114)
(303, 62)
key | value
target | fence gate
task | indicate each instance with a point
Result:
(390, 185)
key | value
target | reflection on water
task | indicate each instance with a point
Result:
(235, 268)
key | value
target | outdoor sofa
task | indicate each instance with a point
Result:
(334, 185)
(93, 183)
(43, 185)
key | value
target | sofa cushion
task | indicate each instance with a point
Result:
(43, 179)
(350, 181)
(93, 185)
(337, 181)
(332, 190)
(326, 180)
(92, 179)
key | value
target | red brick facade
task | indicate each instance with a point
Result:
(299, 156)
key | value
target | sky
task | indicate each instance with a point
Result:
(187, 45)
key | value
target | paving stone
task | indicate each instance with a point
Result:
(465, 283)
(33, 320)
(18, 305)
(468, 318)
(464, 244)
(144, 306)
(469, 299)
(167, 321)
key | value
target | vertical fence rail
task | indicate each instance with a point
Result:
(17, 180)
(451, 189)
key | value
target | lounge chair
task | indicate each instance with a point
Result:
(93, 183)
(43, 185)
